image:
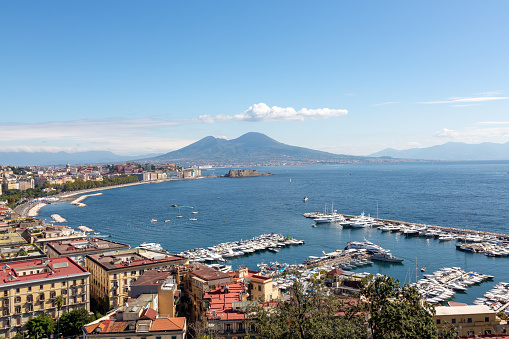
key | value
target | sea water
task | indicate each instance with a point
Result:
(474, 195)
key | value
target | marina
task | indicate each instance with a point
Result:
(226, 251)
(265, 205)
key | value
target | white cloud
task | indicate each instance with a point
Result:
(122, 136)
(385, 103)
(466, 100)
(414, 144)
(493, 123)
(262, 112)
(500, 134)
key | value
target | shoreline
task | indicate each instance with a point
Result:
(27, 210)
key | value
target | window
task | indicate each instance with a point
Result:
(469, 320)
(17, 299)
(5, 311)
(82, 281)
(453, 320)
(63, 283)
(18, 321)
(133, 272)
(30, 307)
(41, 287)
(158, 337)
(438, 321)
(17, 309)
(29, 288)
(52, 285)
(41, 296)
(173, 337)
(30, 298)
(259, 288)
(64, 292)
(17, 290)
(487, 319)
(6, 293)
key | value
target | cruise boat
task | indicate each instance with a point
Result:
(365, 245)
(362, 221)
(151, 246)
(385, 256)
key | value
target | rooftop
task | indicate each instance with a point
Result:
(152, 278)
(221, 301)
(69, 247)
(134, 258)
(206, 273)
(39, 269)
(11, 238)
(463, 310)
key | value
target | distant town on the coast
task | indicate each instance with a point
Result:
(76, 282)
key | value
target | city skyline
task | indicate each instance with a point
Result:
(340, 77)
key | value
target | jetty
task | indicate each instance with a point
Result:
(460, 233)
(85, 229)
(78, 201)
(58, 218)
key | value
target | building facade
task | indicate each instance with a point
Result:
(113, 274)
(30, 288)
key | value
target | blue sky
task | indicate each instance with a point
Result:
(351, 77)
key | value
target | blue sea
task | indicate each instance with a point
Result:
(231, 209)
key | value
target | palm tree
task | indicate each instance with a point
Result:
(59, 300)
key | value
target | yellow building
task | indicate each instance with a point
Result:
(260, 288)
(470, 319)
(30, 288)
(112, 275)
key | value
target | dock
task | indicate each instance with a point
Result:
(457, 231)
(78, 201)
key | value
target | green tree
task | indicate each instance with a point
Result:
(397, 311)
(309, 313)
(40, 325)
(59, 301)
(71, 323)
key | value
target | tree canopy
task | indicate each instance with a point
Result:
(72, 322)
(384, 310)
(40, 325)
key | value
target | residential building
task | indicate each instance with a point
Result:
(470, 319)
(259, 288)
(162, 284)
(226, 311)
(137, 319)
(29, 288)
(112, 274)
(78, 249)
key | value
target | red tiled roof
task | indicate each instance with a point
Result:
(53, 267)
(221, 303)
(454, 303)
(168, 324)
(335, 272)
(149, 313)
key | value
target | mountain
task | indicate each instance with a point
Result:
(62, 158)
(454, 151)
(248, 149)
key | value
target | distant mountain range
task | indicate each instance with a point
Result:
(452, 151)
(249, 149)
(62, 158)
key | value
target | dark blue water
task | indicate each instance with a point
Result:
(233, 209)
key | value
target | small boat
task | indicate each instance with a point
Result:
(174, 205)
(167, 220)
(153, 220)
(314, 225)
(305, 199)
(179, 216)
(272, 249)
(423, 269)
(194, 212)
(193, 219)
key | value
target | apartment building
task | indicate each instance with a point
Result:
(29, 288)
(470, 319)
(78, 249)
(112, 274)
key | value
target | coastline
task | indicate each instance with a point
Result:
(27, 210)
